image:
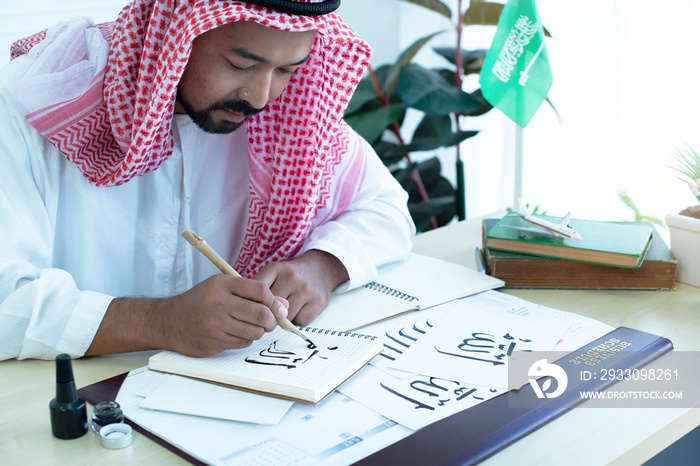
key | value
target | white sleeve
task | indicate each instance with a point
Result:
(375, 229)
(42, 312)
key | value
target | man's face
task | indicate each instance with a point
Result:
(235, 70)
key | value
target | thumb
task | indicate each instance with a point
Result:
(282, 308)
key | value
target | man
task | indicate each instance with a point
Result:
(220, 115)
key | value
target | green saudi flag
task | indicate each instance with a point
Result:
(516, 75)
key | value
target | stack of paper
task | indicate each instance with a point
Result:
(456, 357)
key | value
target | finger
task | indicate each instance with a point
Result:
(267, 275)
(240, 334)
(257, 294)
(307, 314)
(283, 301)
(279, 307)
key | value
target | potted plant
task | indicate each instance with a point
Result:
(684, 224)
(379, 106)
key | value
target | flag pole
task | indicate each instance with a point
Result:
(505, 77)
(519, 164)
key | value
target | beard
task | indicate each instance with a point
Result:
(204, 118)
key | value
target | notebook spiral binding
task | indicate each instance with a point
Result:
(337, 332)
(390, 291)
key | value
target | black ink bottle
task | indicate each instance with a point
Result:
(104, 413)
(68, 412)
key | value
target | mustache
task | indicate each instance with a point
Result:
(237, 106)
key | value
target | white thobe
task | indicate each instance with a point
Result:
(69, 247)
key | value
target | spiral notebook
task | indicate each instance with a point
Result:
(367, 304)
(419, 282)
(280, 364)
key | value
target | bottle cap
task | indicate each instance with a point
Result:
(64, 370)
(67, 410)
(116, 436)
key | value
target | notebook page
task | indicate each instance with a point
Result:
(280, 362)
(364, 305)
(435, 281)
(431, 281)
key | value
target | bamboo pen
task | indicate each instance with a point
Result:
(198, 242)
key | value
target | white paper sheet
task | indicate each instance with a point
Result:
(187, 396)
(472, 343)
(435, 281)
(337, 431)
(415, 401)
(432, 281)
(399, 333)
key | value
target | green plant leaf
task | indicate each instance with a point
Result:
(486, 14)
(485, 105)
(472, 60)
(410, 52)
(403, 176)
(419, 145)
(460, 136)
(388, 152)
(433, 127)
(687, 164)
(430, 171)
(441, 204)
(447, 75)
(404, 59)
(427, 91)
(434, 5)
(370, 124)
(360, 98)
(483, 13)
(627, 200)
(421, 212)
(433, 132)
(551, 105)
(443, 188)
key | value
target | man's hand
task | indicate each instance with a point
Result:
(306, 282)
(220, 313)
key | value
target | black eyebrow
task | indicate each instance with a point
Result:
(252, 56)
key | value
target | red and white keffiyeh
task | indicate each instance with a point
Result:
(104, 96)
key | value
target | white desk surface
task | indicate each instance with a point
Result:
(583, 436)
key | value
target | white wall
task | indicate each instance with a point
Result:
(378, 22)
(625, 83)
(20, 19)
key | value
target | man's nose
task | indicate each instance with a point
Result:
(256, 92)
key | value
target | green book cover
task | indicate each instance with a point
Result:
(609, 243)
(657, 272)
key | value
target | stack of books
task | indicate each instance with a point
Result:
(610, 255)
